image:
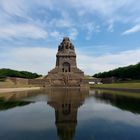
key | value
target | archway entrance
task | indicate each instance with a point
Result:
(66, 67)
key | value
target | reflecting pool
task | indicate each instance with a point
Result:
(69, 114)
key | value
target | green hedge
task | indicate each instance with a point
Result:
(14, 73)
(130, 72)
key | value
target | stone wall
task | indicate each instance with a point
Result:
(37, 82)
(16, 80)
(109, 80)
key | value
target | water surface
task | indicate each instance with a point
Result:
(69, 114)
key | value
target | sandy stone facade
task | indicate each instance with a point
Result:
(17, 81)
(65, 72)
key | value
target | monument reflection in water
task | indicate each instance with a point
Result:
(69, 114)
(66, 103)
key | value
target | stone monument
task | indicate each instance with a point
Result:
(66, 73)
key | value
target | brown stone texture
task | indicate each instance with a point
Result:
(65, 72)
(17, 81)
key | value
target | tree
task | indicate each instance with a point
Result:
(14, 73)
(130, 72)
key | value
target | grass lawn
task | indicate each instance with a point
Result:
(118, 85)
(120, 93)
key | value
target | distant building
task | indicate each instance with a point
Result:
(94, 80)
(109, 80)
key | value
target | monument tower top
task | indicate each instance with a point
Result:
(66, 55)
(65, 45)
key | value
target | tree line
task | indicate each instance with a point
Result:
(20, 74)
(129, 72)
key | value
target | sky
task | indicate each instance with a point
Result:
(105, 33)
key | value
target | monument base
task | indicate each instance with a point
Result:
(69, 79)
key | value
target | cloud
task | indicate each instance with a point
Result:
(22, 31)
(23, 7)
(90, 28)
(73, 32)
(101, 63)
(111, 27)
(106, 9)
(34, 59)
(69, 14)
(134, 29)
(56, 35)
(15, 7)
(60, 17)
(64, 21)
